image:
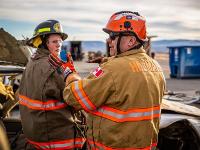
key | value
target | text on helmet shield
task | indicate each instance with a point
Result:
(129, 16)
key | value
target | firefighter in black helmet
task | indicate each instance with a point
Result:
(48, 122)
(43, 29)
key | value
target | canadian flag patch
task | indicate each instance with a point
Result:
(97, 72)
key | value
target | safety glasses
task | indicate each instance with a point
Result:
(113, 35)
(56, 41)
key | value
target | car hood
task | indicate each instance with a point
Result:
(180, 108)
(173, 111)
(12, 51)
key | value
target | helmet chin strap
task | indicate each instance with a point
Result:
(118, 44)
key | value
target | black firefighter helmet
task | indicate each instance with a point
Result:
(45, 28)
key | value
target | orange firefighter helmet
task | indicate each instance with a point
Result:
(127, 22)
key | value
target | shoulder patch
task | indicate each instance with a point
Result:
(97, 72)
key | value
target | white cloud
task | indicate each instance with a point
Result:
(87, 18)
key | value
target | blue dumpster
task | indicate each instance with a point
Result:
(184, 61)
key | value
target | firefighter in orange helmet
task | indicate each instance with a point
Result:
(123, 95)
(126, 23)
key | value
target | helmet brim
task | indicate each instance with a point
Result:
(106, 30)
(64, 36)
(29, 42)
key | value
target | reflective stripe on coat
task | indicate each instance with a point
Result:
(122, 101)
(47, 120)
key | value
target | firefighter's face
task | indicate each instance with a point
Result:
(113, 46)
(54, 43)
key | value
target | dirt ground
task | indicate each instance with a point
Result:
(188, 86)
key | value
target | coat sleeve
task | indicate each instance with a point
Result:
(92, 92)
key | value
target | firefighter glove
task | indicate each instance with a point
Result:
(64, 67)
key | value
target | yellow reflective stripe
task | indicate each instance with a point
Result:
(37, 41)
(44, 30)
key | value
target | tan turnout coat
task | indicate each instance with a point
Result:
(48, 122)
(122, 98)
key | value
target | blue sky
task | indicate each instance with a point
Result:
(84, 20)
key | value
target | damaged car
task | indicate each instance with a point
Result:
(180, 122)
(13, 58)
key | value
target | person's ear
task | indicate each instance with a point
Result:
(132, 41)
